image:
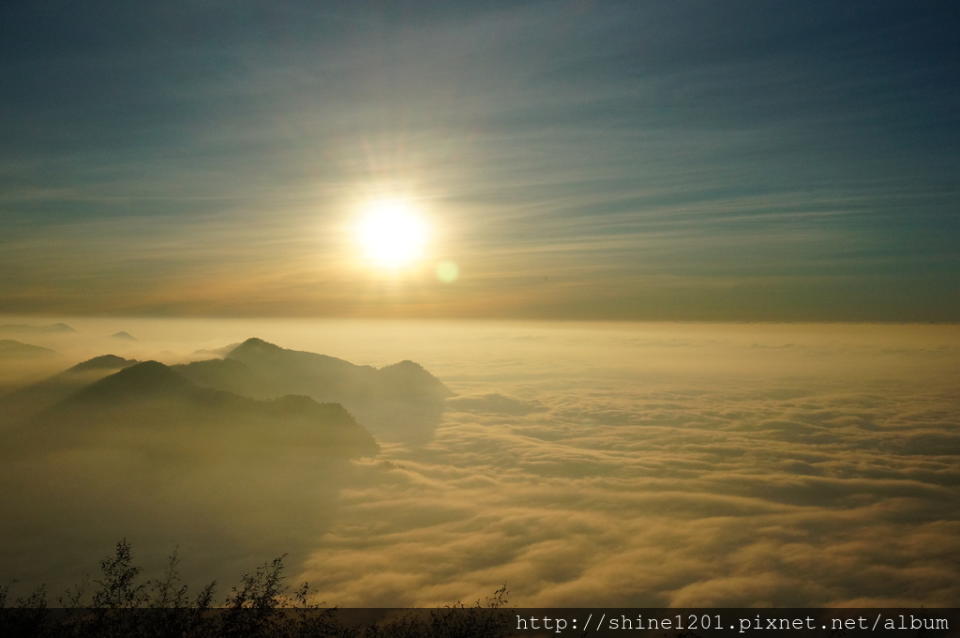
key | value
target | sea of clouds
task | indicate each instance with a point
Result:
(671, 465)
(631, 465)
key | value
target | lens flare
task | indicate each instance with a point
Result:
(448, 272)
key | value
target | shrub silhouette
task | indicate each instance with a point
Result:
(259, 605)
(118, 587)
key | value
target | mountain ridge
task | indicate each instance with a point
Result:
(401, 401)
(17, 349)
(152, 396)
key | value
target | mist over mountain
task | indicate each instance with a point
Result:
(142, 381)
(23, 328)
(219, 352)
(619, 304)
(402, 401)
(228, 475)
(34, 398)
(11, 349)
(224, 374)
(628, 465)
(249, 388)
(152, 396)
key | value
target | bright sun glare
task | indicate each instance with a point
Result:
(391, 233)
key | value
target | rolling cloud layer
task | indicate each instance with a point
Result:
(614, 464)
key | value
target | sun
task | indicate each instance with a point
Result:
(391, 233)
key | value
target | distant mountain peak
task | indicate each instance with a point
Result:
(153, 395)
(411, 377)
(406, 364)
(256, 349)
(256, 345)
(103, 362)
(123, 334)
(149, 370)
(149, 378)
(402, 400)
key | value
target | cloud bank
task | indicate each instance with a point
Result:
(624, 464)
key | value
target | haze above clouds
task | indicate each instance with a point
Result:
(580, 464)
(449, 166)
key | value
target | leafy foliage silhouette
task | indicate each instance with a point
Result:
(260, 605)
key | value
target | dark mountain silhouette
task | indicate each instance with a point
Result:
(148, 379)
(293, 371)
(152, 399)
(398, 402)
(123, 334)
(34, 398)
(145, 450)
(10, 349)
(402, 401)
(103, 362)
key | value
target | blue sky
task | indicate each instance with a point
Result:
(588, 160)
